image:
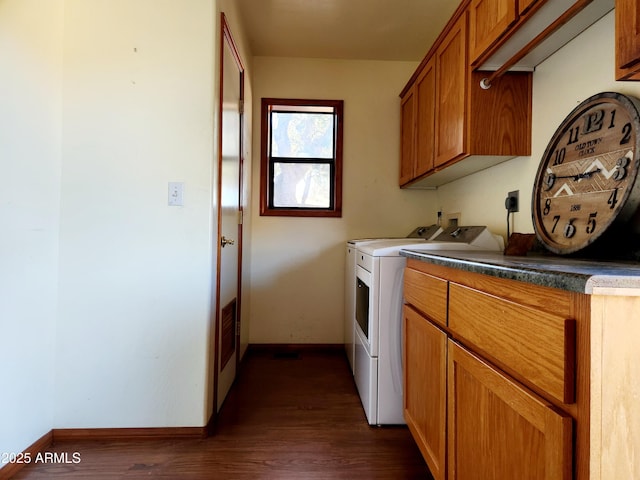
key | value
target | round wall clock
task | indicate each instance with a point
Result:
(586, 180)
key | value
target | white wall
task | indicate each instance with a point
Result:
(297, 265)
(106, 292)
(30, 108)
(136, 274)
(582, 68)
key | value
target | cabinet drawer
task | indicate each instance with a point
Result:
(537, 346)
(364, 260)
(427, 294)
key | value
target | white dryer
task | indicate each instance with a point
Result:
(378, 326)
(418, 235)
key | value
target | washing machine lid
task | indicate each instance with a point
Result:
(391, 248)
(452, 238)
(357, 242)
(416, 235)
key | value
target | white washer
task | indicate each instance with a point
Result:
(378, 327)
(418, 235)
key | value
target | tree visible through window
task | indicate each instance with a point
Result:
(301, 157)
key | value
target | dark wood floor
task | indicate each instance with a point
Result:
(287, 417)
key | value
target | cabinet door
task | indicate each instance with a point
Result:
(451, 83)
(425, 118)
(496, 429)
(407, 137)
(425, 388)
(627, 34)
(489, 20)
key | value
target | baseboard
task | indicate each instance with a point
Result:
(40, 445)
(70, 434)
(270, 348)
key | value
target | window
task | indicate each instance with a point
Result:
(301, 167)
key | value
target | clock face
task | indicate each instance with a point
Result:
(587, 176)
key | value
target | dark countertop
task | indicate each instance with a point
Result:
(583, 276)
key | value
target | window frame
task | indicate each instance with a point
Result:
(267, 161)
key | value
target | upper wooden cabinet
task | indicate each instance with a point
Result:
(451, 69)
(489, 20)
(417, 127)
(451, 127)
(408, 137)
(627, 40)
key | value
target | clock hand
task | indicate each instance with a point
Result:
(578, 176)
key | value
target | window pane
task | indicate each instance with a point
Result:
(301, 185)
(302, 135)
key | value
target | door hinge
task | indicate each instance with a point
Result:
(240, 217)
(241, 106)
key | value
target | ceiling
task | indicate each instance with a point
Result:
(399, 30)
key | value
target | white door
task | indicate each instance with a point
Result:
(229, 217)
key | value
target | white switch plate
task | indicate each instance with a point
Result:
(176, 194)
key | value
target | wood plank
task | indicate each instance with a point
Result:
(615, 388)
(500, 117)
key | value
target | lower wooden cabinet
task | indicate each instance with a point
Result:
(498, 430)
(495, 380)
(425, 388)
(478, 414)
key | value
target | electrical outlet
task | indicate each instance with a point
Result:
(453, 219)
(511, 202)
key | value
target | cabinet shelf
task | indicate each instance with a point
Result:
(543, 32)
(449, 173)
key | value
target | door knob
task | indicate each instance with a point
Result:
(224, 241)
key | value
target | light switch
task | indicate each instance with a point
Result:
(176, 194)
